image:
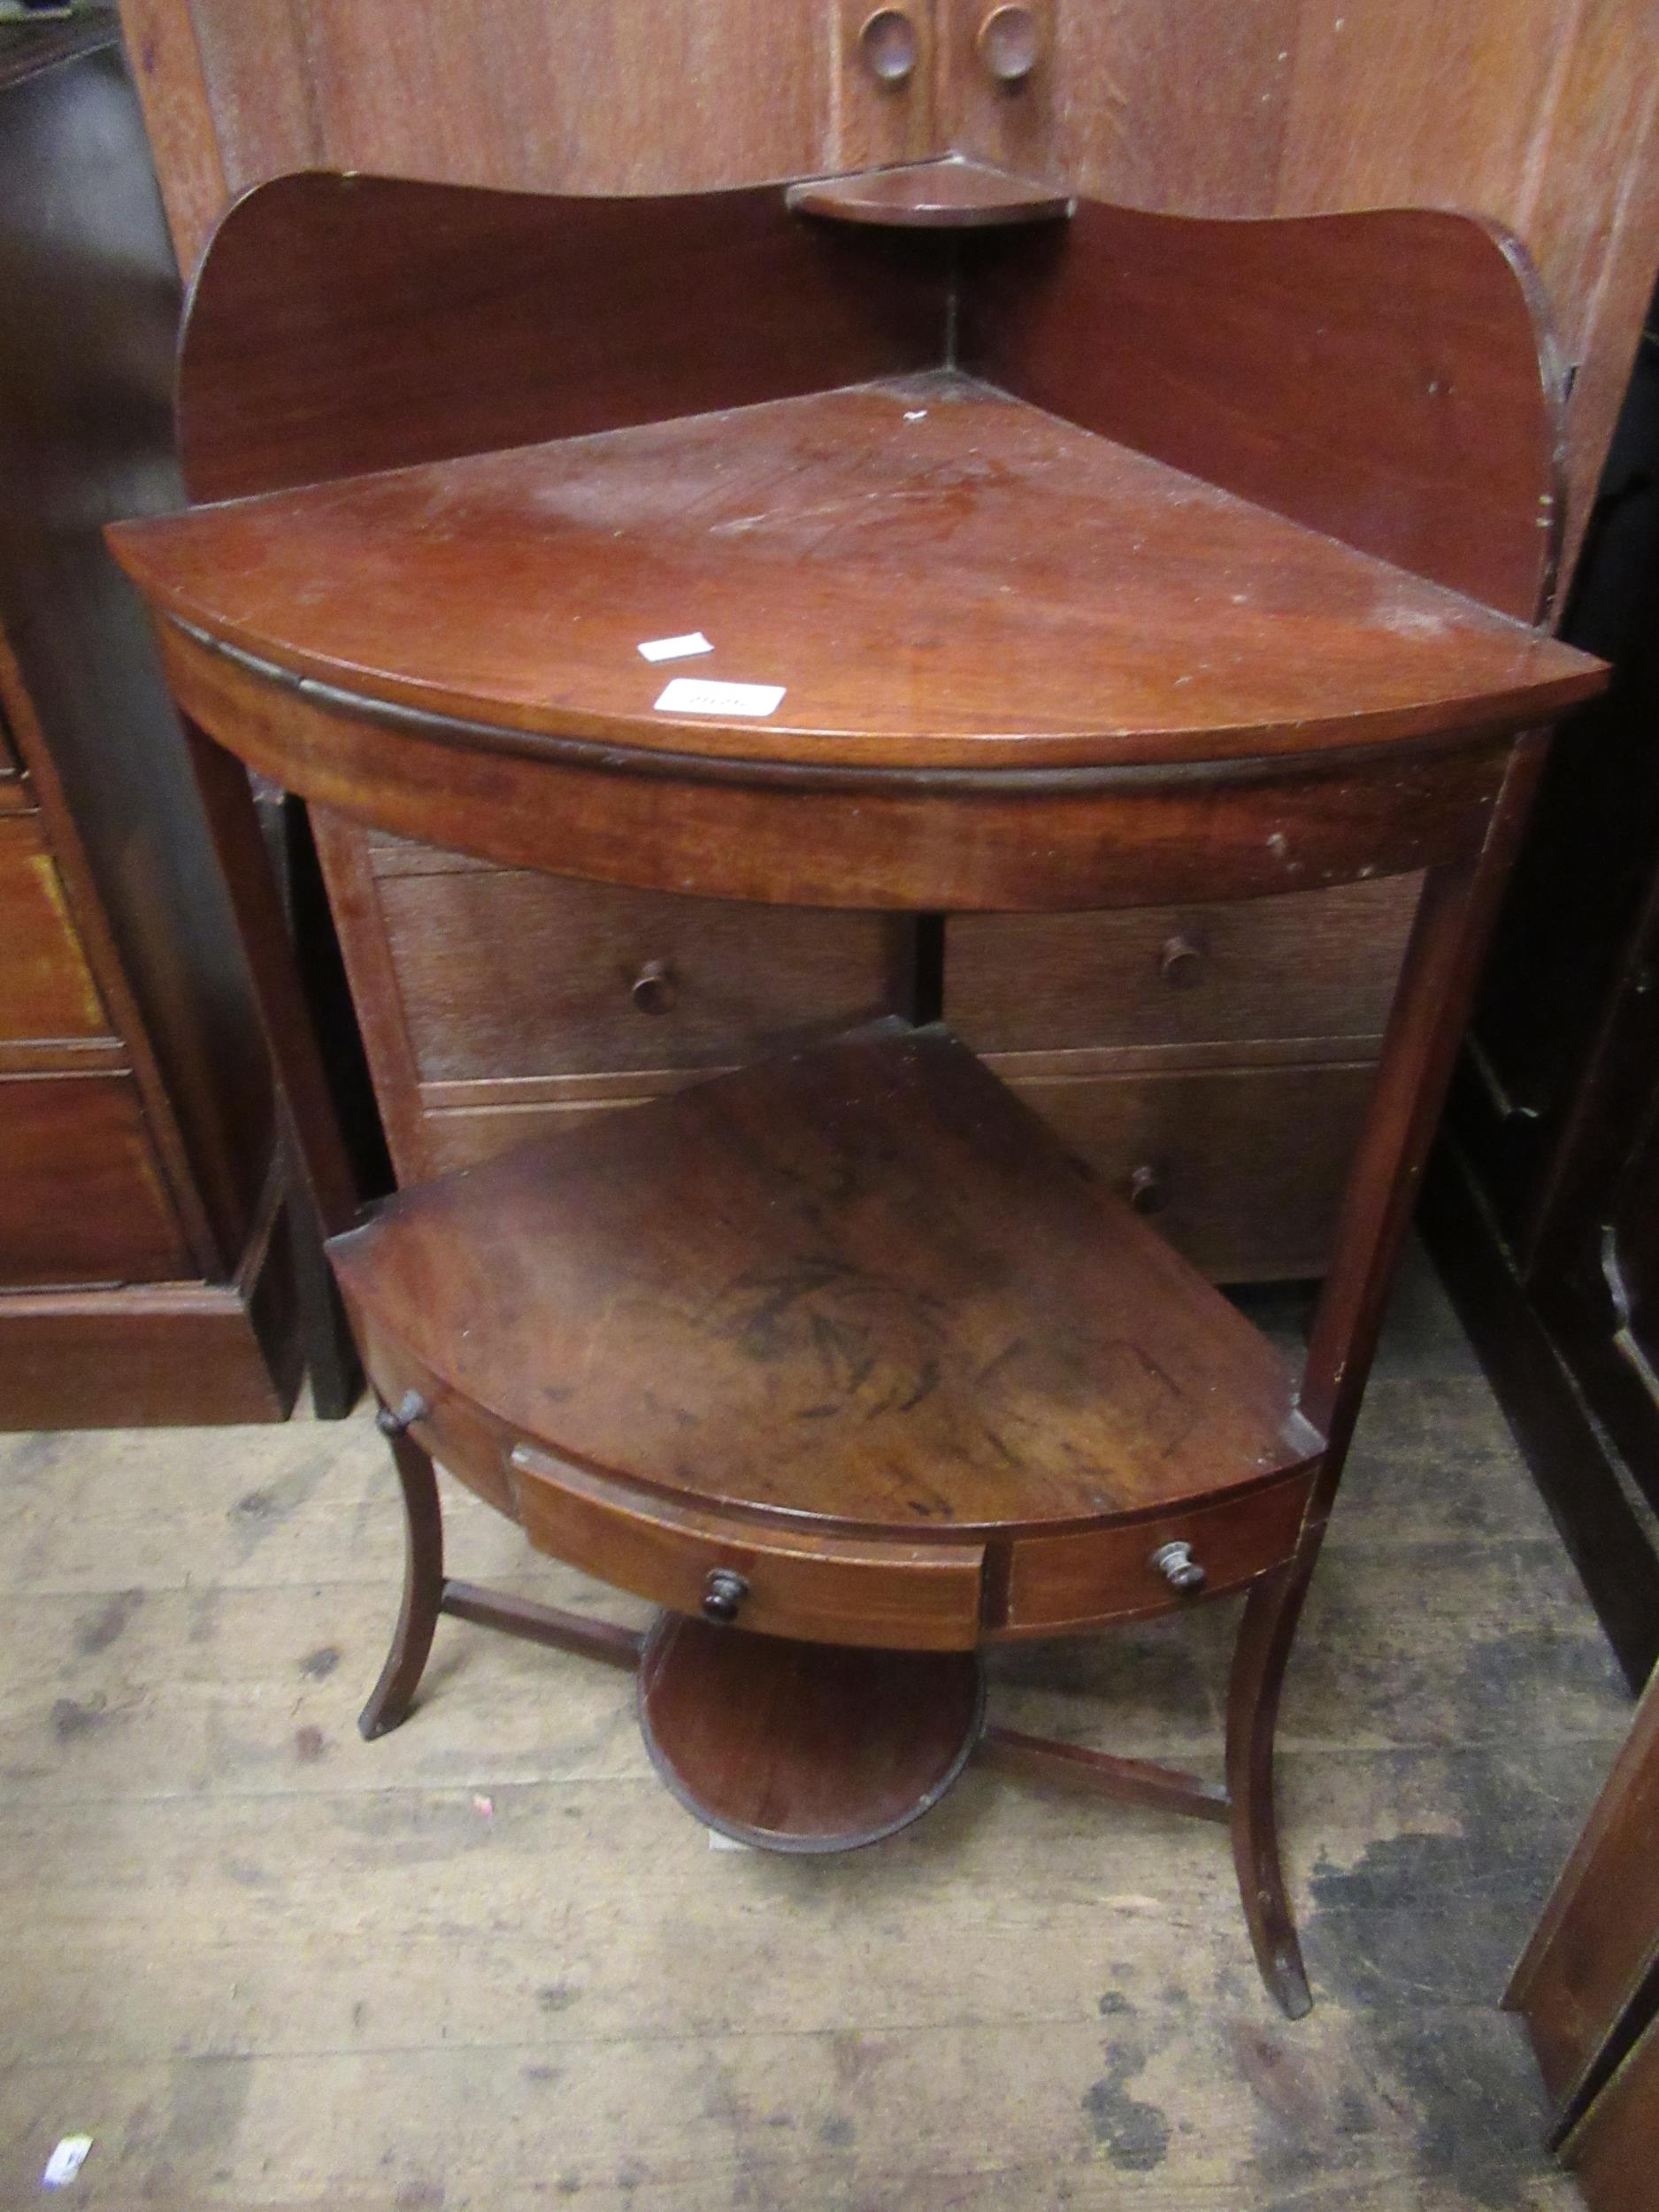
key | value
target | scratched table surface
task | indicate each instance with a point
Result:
(933, 574)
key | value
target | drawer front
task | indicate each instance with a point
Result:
(503, 974)
(1241, 1169)
(1058, 1583)
(910, 1597)
(467, 1137)
(1317, 964)
(46, 987)
(81, 1199)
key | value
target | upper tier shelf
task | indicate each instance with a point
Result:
(935, 575)
(954, 193)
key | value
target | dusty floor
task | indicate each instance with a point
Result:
(488, 1961)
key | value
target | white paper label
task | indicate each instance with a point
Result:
(696, 695)
(66, 2162)
(675, 648)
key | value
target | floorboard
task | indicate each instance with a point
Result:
(488, 1961)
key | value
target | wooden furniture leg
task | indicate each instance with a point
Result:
(1259, 1658)
(428, 1592)
(393, 1694)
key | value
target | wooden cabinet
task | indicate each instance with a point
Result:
(1587, 1987)
(143, 1257)
(488, 1005)
(1544, 1210)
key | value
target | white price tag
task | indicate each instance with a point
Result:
(66, 2162)
(696, 695)
(675, 648)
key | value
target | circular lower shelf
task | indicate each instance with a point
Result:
(795, 1746)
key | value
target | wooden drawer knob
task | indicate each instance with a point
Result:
(654, 989)
(887, 43)
(1180, 962)
(399, 1419)
(1149, 1193)
(1009, 44)
(1175, 1563)
(723, 1594)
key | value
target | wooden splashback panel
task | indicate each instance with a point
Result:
(1541, 114)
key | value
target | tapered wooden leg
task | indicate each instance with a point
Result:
(1265, 1635)
(422, 1587)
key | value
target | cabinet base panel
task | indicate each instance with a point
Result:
(157, 1355)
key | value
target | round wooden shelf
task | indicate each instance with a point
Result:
(804, 1748)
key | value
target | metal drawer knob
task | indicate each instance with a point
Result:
(1149, 1193)
(722, 1594)
(1180, 962)
(887, 43)
(1175, 1563)
(1008, 43)
(654, 989)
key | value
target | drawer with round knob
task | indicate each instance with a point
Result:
(505, 977)
(747, 1574)
(1310, 964)
(1057, 1583)
(1241, 1169)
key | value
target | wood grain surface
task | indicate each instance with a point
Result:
(348, 323)
(800, 1747)
(1599, 1936)
(858, 1287)
(972, 583)
(83, 1199)
(950, 195)
(1391, 379)
(47, 988)
(1316, 964)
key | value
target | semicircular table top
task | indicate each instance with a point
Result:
(931, 574)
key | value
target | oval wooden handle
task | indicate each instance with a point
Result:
(1180, 962)
(887, 43)
(723, 1594)
(654, 989)
(1009, 45)
(1175, 1563)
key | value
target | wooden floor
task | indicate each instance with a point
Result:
(489, 1962)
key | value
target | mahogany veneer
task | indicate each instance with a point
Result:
(844, 1351)
(952, 194)
(972, 584)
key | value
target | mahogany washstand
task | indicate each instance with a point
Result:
(1102, 560)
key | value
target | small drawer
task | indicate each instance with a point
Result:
(1317, 963)
(81, 1199)
(826, 1589)
(46, 987)
(1060, 1583)
(1240, 1168)
(508, 975)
